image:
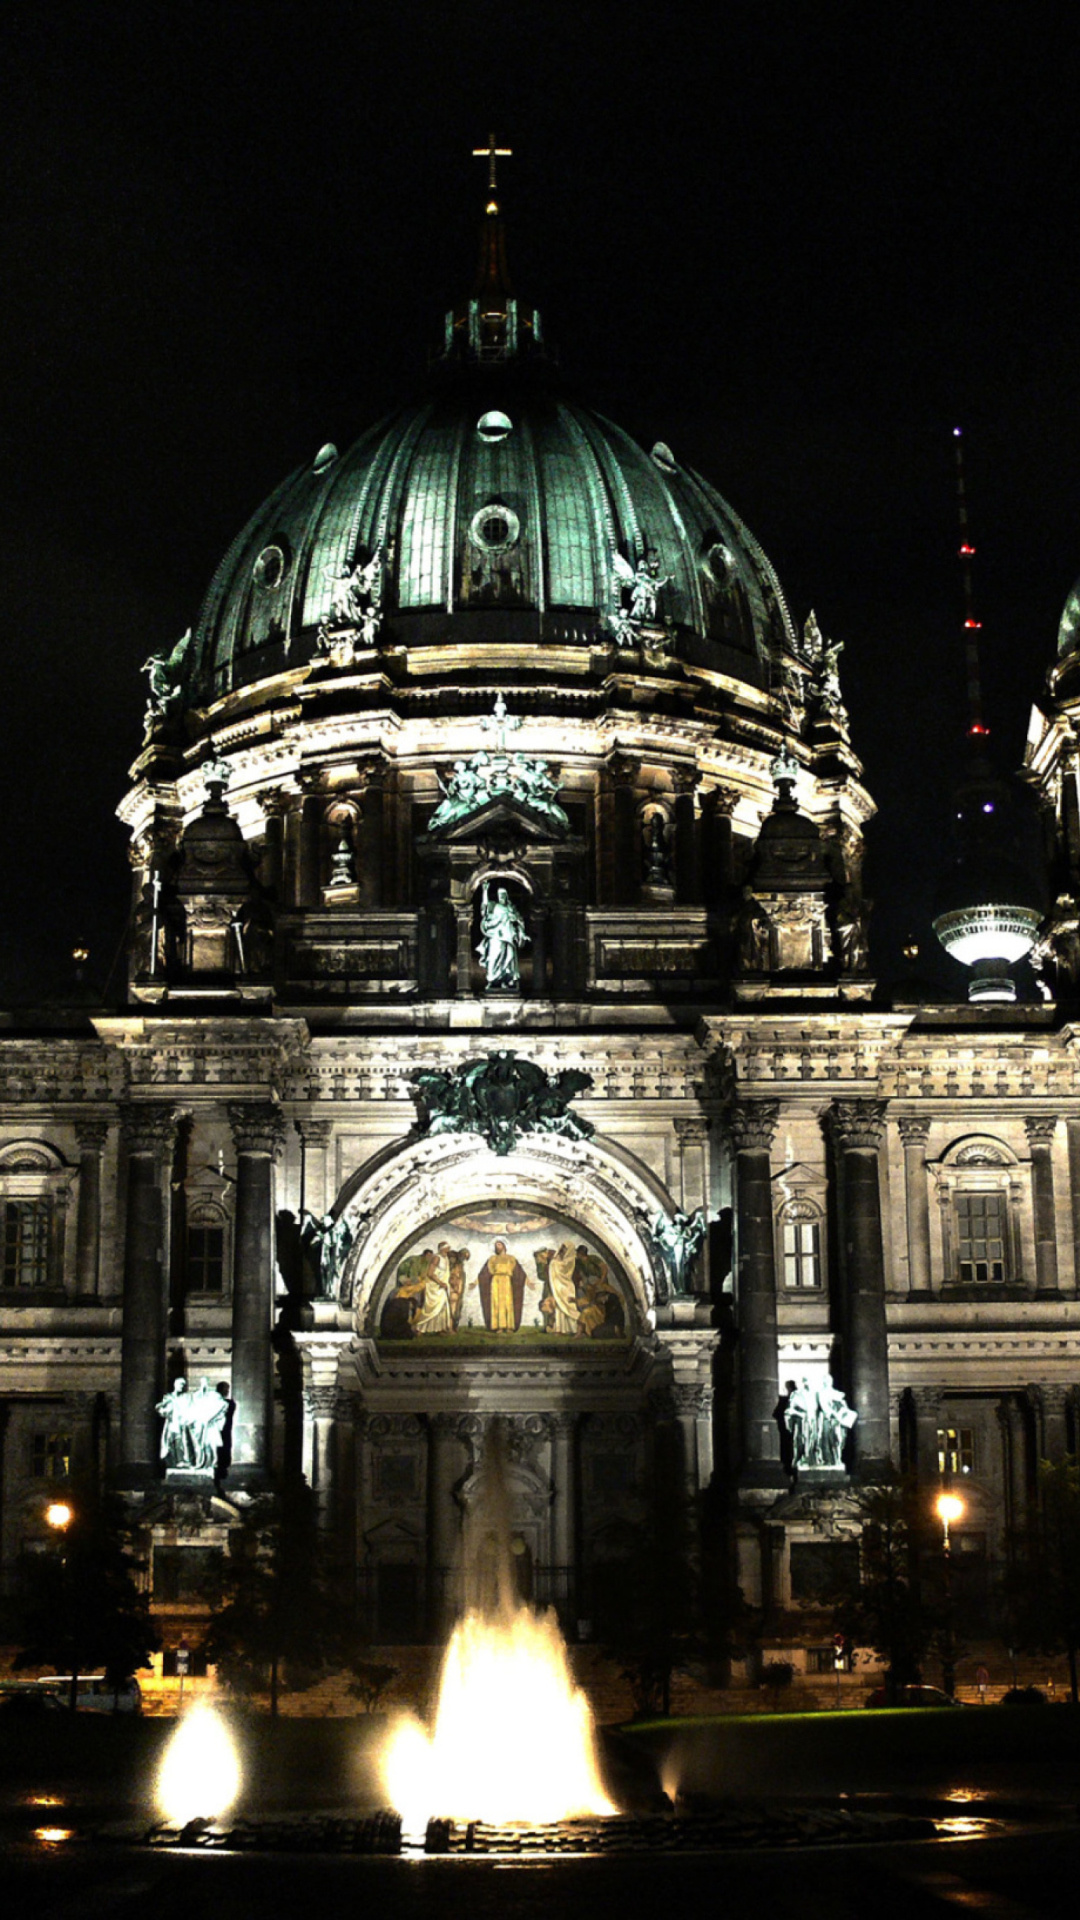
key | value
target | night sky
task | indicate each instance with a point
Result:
(798, 242)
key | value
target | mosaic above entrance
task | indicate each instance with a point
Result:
(497, 1273)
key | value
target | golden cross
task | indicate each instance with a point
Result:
(491, 153)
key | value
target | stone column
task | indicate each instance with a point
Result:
(148, 1134)
(564, 1512)
(308, 890)
(273, 861)
(1014, 1462)
(914, 1132)
(1040, 1133)
(691, 1145)
(687, 780)
(1050, 1404)
(927, 1404)
(538, 927)
(464, 918)
(315, 1135)
(91, 1136)
(444, 1531)
(257, 1129)
(625, 853)
(717, 807)
(320, 1401)
(753, 1124)
(1072, 1130)
(694, 1411)
(857, 1127)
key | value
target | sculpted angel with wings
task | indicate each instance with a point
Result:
(643, 583)
(354, 590)
(166, 671)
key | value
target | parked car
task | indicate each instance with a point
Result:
(25, 1703)
(912, 1697)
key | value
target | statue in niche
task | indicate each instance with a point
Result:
(819, 1421)
(327, 1242)
(502, 935)
(657, 851)
(166, 671)
(852, 932)
(193, 1425)
(342, 864)
(753, 935)
(1056, 953)
(680, 1237)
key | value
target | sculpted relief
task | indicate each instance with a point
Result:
(503, 1273)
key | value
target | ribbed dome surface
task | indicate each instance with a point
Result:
(496, 507)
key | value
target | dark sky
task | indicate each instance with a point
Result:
(798, 242)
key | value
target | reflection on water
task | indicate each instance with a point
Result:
(53, 1836)
(966, 1827)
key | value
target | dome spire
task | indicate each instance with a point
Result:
(977, 728)
(491, 326)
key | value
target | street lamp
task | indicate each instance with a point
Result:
(950, 1509)
(59, 1516)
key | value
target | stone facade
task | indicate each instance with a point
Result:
(238, 1176)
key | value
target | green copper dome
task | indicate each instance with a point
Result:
(493, 509)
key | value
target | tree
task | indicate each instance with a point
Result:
(1043, 1583)
(80, 1607)
(890, 1610)
(279, 1619)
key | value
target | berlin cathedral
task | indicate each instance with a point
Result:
(499, 1050)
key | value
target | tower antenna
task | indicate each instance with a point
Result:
(977, 728)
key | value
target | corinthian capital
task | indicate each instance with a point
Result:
(1040, 1129)
(257, 1127)
(858, 1124)
(753, 1124)
(149, 1129)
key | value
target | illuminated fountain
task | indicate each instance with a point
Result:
(199, 1778)
(512, 1739)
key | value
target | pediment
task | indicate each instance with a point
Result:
(505, 815)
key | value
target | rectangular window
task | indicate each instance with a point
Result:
(823, 1571)
(50, 1456)
(956, 1450)
(188, 1576)
(26, 1243)
(206, 1259)
(397, 1605)
(980, 1228)
(802, 1253)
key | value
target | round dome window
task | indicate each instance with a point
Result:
(269, 569)
(494, 426)
(324, 458)
(494, 528)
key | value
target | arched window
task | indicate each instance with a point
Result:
(34, 1189)
(800, 1245)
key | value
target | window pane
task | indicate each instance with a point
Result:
(50, 1456)
(980, 1226)
(206, 1259)
(26, 1243)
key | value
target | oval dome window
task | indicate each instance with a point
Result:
(494, 426)
(269, 569)
(324, 458)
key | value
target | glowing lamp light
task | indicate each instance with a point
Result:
(967, 552)
(200, 1775)
(59, 1515)
(977, 624)
(950, 1509)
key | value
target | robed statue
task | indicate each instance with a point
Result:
(502, 935)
